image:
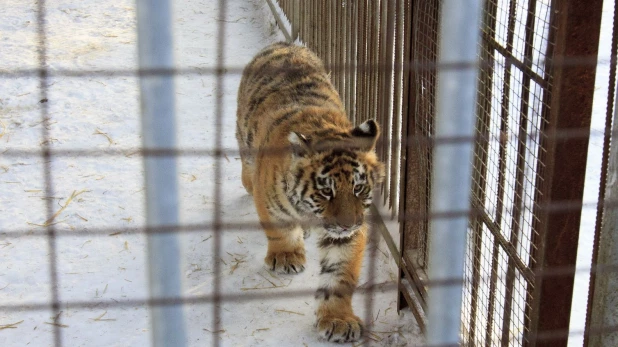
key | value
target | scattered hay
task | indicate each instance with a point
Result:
(109, 139)
(269, 281)
(3, 129)
(116, 233)
(57, 324)
(291, 312)
(262, 288)
(214, 332)
(55, 321)
(101, 319)
(374, 337)
(236, 264)
(46, 225)
(50, 221)
(11, 325)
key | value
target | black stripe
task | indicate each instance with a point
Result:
(304, 191)
(298, 176)
(279, 206)
(329, 268)
(326, 242)
(278, 122)
(249, 141)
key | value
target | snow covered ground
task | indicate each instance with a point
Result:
(101, 112)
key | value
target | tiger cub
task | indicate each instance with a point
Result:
(308, 167)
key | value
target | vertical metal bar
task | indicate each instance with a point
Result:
(380, 99)
(575, 31)
(481, 156)
(502, 164)
(596, 300)
(364, 94)
(397, 103)
(373, 234)
(47, 169)
(333, 52)
(354, 61)
(603, 310)
(302, 13)
(295, 12)
(375, 60)
(218, 173)
(322, 38)
(361, 69)
(388, 114)
(159, 133)
(519, 179)
(406, 114)
(340, 34)
(421, 41)
(347, 44)
(452, 167)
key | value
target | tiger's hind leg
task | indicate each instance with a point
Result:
(340, 261)
(247, 175)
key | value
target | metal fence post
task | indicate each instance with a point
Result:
(159, 133)
(452, 169)
(604, 312)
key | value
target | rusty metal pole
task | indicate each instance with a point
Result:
(561, 181)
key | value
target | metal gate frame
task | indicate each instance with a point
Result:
(568, 82)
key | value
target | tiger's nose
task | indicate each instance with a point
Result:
(349, 222)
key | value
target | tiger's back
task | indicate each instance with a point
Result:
(280, 79)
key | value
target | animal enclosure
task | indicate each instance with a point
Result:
(537, 63)
(73, 227)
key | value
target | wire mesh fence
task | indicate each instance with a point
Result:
(531, 133)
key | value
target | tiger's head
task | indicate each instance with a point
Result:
(333, 174)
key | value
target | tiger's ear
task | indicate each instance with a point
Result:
(300, 144)
(366, 135)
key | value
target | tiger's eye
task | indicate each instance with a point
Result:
(358, 188)
(326, 191)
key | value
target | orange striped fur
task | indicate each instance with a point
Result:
(307, 167)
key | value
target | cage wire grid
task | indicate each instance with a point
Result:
(502, 228)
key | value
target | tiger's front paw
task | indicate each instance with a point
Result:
(286, 262)
(344, 328)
